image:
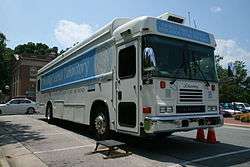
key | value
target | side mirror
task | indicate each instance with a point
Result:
(149, 61)
(149, 65)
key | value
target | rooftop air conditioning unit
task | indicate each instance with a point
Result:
(172, 17)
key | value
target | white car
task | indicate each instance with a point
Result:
(18, 106)
(244, 107)
(227, 109)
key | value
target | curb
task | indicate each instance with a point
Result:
(237, 125)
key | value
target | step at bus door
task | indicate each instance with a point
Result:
(127, 87)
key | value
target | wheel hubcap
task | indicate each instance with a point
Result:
(100, 124)
(48, 115)
(30, 110)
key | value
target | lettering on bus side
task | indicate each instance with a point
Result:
(77, 69)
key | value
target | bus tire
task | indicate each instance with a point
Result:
(100, 124)
(49, 113)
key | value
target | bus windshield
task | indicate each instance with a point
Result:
(181, 59)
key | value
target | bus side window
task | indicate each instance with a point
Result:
(127, 62)
(38, 85)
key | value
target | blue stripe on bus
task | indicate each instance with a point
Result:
(76, 70)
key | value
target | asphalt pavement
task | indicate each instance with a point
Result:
(28, 140)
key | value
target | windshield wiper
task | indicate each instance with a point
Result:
(202, 74)
(179, 68)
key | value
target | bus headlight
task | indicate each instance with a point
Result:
(211, 108)
(166, 109)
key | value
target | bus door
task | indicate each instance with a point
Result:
(127, 87)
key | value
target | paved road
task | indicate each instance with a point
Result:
(68, 144)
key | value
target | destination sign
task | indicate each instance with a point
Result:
(166, 27)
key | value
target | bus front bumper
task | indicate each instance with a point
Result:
(159, 124)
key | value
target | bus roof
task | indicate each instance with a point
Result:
(140, 25)
(103, 33)
(156, 25)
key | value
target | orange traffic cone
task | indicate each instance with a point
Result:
(200, 135)
(211, 137)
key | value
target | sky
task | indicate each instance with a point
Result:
(62, 23)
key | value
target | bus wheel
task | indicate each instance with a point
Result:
(101, 126)
(49, 114)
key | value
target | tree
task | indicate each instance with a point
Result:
(241, 72)
(2, 43)
(36, 49)
(233, 88)
(6, 55)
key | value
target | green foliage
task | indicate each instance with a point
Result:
(233, 88)
(6, 55)
(35, 49)
(2, 43)
(237, 117)
(243, 117)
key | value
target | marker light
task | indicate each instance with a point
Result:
(162, 84)
(146, 110)
(166, 109)
(211, 108)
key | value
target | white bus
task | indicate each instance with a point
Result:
(142, 76)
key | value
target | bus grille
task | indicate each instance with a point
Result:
(190, 95)
(190, 109)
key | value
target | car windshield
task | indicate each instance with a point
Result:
(247, 105)
(239, 106)
(227, 106)
(181, 59)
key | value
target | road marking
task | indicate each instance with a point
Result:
(63, 149)
(214, 156)
(27, 133)
(238, 127)
(51, 134)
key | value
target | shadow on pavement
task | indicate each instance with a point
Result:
(187, 149)
(176, 149)
(72, 126)
(11, 133)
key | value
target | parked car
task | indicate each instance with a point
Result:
(244, 107)
(18, 106)
(224, 112)
(228, 109)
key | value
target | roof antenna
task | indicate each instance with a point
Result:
(189, 19)
(195, 25)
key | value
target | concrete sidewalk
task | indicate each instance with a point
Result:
(3, 161)
(14, 153)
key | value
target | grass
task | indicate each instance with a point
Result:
(243, 117)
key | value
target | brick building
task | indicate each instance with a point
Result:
(24, 72)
